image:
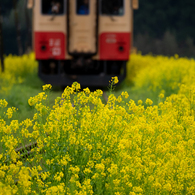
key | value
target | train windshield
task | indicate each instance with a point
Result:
(50, 7)
(112, 7)
(82, 7)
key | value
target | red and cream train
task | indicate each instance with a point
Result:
(87, 41)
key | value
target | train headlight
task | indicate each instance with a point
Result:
(43, 48)
(121, 48)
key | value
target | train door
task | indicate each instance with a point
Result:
(82, 27)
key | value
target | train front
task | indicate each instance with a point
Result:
(87, 41)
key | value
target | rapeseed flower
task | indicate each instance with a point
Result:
(47, 86)
(17, 68)
(97, 148)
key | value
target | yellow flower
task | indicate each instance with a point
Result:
(114, 80)
(10, 112)
(76, 86)
(140, 102)
(46, 87)
(116, 182)
(167, 187)
(86, 90)
(125, 94)
(3, 103)
(137, 189)
(149, 101)
(58, 176)
(100, 167)
(161, 95)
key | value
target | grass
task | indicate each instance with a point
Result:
(32, 85)
(20, 93)
(134, 94)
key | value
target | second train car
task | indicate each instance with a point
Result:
(87, 41)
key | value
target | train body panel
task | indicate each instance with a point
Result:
(114, 46)
(76, 40)
(50, 45)
(47, 28)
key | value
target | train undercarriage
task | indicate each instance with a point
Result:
(87, 72)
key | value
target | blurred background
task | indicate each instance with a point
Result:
(160, 27)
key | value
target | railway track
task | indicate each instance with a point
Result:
(105, 96)
(26, 151)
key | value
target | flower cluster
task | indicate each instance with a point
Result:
(47, 87)
(17, 68)
(160, 73)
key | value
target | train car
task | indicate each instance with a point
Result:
(87, 41)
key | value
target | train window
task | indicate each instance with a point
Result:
(82, 7)
(50, 7)
(112, 7)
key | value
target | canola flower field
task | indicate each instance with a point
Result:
(16, 69)
(121, 147)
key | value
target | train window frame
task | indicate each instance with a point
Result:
(77, 9)
(64, 10)
(115, 15)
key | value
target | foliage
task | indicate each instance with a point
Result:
(167, 45)
(9, 26)
(156, 17)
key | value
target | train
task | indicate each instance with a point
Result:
(88, 41)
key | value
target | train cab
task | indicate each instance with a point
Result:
(87, 41)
